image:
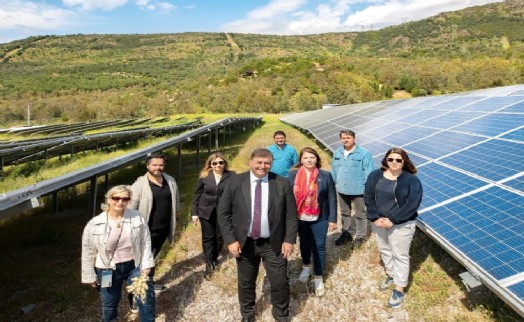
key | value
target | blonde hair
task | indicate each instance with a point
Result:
(207, 166)
(113, 191)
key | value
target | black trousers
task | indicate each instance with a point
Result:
(212, 241)
(276, 269)
(157, 240)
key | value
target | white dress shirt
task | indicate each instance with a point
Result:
(264, 227)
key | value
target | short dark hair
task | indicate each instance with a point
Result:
(261, 153)
(348, 132)
(279, 133)
(156, 155)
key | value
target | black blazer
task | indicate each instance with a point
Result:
(234, 211)
(327, 194)
(208, 193)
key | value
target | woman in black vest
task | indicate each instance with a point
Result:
(213, 178)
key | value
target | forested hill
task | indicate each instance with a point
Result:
(88, 77)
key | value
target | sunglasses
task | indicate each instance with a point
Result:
(117, 199)
(218, 162)
(397, 160)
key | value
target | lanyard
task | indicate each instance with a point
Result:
(114, 251)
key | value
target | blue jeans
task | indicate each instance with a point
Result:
(111, 295)
(313, 236)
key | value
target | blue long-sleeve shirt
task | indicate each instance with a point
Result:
(283, 159)
(350, 174)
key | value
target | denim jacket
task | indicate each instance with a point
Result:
(350, 174)
(94, 243)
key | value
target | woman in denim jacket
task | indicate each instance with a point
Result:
(116, 247)
(392, 195)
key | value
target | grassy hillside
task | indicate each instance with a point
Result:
(93, 77)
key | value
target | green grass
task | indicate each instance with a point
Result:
(40, 254)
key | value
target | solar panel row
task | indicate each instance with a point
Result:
(469, 150)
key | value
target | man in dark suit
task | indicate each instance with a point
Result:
(258, 219)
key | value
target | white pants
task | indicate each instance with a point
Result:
(393, 245)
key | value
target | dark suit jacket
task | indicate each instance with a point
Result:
(327, 194)
(207, 194)
(234, 211)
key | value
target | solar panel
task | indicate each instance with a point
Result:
(469, 150)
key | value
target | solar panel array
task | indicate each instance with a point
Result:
(469, 150)
(29, 150)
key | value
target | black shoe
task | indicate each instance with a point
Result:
(343, 238)
(358, 242)
(209, 271)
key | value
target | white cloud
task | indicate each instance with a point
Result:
(164, 7)
(292, 17)
(33, 16)
(89, 5)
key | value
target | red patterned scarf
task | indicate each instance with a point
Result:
(306, 192)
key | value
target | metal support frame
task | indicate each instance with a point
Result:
(197, 152)
(209, 142)
(92, 196)
(55, 202)
(216, 139)
(179, 162)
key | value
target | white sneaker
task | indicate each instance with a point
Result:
(304, 275)
(318, 286)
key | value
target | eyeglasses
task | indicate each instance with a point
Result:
(117, 199)
(218, 162)
(397, 160)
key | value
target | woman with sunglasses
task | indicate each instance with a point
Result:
(392, 195)
(211, 183)
(316, 201)
(116, 247)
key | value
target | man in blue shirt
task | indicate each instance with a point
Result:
(284, 155)
(350, 168)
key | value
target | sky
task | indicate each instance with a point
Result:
(22, 18)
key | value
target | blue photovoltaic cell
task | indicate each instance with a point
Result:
(384, 130)
(431, 102)
(491, 104)
(492, 124)
(493, 159)
(416, 159)
(456, 102)
(376, 147)
(451, 119)
(408, 135)
(517, 135)
(517, 183)
(443, 143)
(421, 117)
(517, 108)
(440, 184)
(471, 226)
(518, 289)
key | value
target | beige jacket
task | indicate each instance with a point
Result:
(142, 199)
(94, 243)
